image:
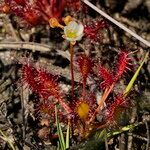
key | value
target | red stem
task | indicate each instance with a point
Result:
(71, 65)
(101, 102)
(65, 106)
(84, 88)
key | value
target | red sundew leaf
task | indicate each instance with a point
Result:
(82, 109)
(50, 85)
(85, 65)
(48, 108)
(25, 11)
(14, 7)
(122, 65)
(44, 84)
(35, 12)
(73, 4)
(57, 8)
(28, 75)
(20, 2)
(91, 31)
(106, 75)
(40, 81)
(50, 9)
(31, 17)
(84, 106)
(76, 5)
(116, 108)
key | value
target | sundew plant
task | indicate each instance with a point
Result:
(78, 77)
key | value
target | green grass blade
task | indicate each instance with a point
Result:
(5, 138)
(100, 135)
(123, 129)
(61, 136)
(67, 136)
(130, 85)
(60, 133)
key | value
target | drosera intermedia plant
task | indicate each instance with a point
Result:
(83, 111)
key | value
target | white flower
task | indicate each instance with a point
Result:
(73, 31)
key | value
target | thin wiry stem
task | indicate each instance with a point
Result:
(101, 102)
(71, 65)
(147, 43)
(65, 106)
(84, 88)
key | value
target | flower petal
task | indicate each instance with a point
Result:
(78, 38)
(80, 29)
(72, 26)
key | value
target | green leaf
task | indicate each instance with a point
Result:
(130, 85)
(60, 133)
(100, 135)
(5, 138)
(123, 129)
(67, 136)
